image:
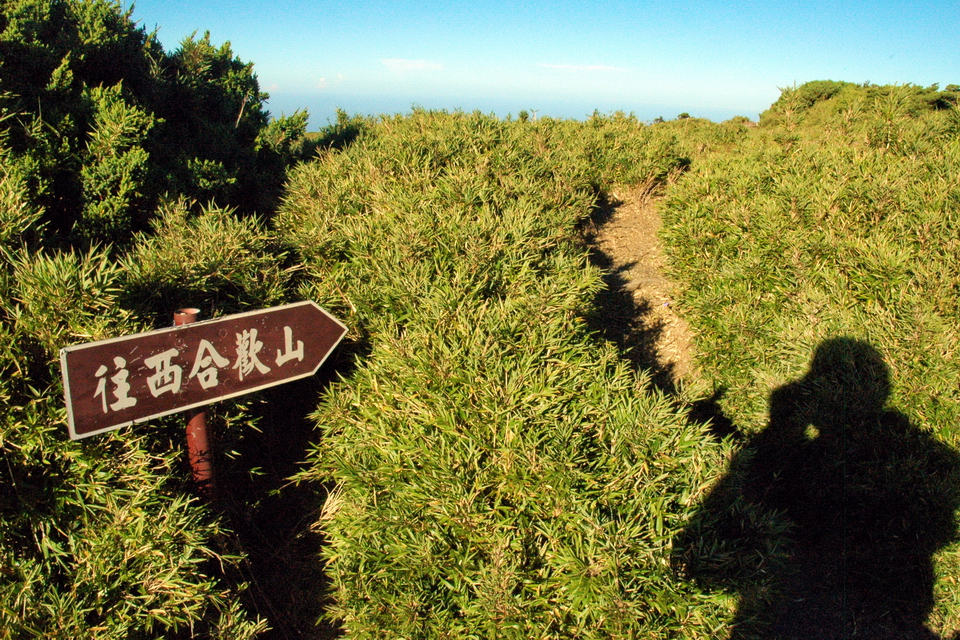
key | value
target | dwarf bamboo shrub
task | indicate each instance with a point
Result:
(843, 223)
(212, 260)
(495, 470)
(98, 539)
(782, 246)
(104, 123)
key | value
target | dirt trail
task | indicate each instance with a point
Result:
(629, 248)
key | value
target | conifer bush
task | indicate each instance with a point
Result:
(104, 123)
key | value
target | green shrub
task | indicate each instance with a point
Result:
(115, 165)
(98, 539)
(339, 134)
(801, 235)
(103, 123)
(102, 538)
(19, 218)
(497, 469)
(212, 260)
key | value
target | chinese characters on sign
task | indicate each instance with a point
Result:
(167, 376)
(112, 383)
(202, 369)
(120, 390)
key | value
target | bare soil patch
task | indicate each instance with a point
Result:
(638, 312)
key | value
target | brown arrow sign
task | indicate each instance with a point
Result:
(114, 383)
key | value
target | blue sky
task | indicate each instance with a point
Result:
(565, 59)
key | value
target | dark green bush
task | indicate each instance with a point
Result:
(339, 134)
(103, 122)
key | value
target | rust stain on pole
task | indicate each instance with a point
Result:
(198, 449)
(198, 440)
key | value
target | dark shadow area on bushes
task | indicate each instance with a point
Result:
(617, 316)
(337, 135)
(271, 516)
(708, 412)
(826, 522)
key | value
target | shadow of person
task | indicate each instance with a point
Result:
(827, 521)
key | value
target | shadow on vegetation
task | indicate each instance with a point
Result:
(336, 136)
(618, 316)
(709, 413)
(827, 521)
(272, 518)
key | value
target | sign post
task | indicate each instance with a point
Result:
(198, 438)
(122, 381)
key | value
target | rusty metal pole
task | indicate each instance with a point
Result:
(198, 440)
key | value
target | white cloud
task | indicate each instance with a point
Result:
(400, 65)
(322, 84)
(584, 67)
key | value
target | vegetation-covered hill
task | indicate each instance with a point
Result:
(485, 463)
(816, 253)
